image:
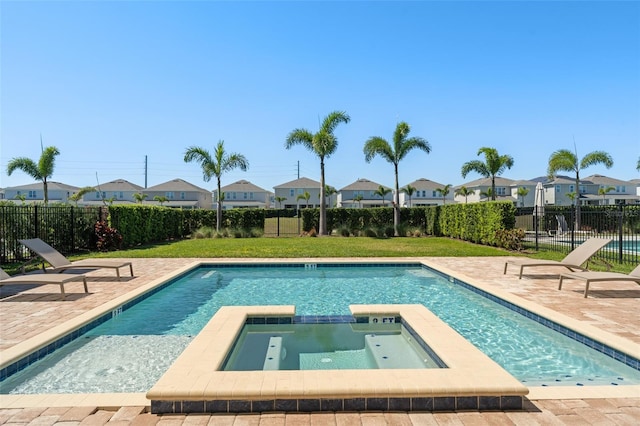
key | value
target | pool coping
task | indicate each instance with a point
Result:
(115, 400)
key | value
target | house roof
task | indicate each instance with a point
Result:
(303, 182)
(605, 180)
(426, 184)
(52, 186)
(523, 183)
(363, 185)
(242, 186)
(120, 185)
(500, 181)
(175, 185)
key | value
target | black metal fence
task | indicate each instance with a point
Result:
(67, 228)
(561, 229)
(282, 223)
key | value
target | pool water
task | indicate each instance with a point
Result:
(531, 352)
(336, 346)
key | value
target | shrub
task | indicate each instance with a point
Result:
(344, 231)
(510, 239)
(107, 238)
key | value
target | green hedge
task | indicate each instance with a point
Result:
(147, 224)
(475, 222)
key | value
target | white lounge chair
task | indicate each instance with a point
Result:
(573, 261)
(59, 279)
(595, 276)
(59, 263)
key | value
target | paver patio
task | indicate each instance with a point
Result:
(27, 311)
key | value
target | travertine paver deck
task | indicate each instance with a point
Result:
(26, 312)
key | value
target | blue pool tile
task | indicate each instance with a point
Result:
(263, 405)
(161, 407)
(489, 403)
(422, 404)
(377, 404)
(511, 403)
(239, 406)
(354, 404)
(192, 407)
(217, 406)
(444, 404)
(286, 405)
(331, 405)
(399, 404)
(308, 405)
(467, 403)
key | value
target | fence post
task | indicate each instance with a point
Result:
(278, 225)
(36, 228)
(73, 236)
(620, 239)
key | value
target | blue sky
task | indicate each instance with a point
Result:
(110, 82)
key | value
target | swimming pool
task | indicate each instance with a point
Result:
(538, 357)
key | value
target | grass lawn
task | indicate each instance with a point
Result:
(310, 247)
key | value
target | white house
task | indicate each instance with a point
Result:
(243, 194)
(117, 191)
(34, 192)
(361, 193)
(289, 192)
(481, 190)
(609, 191)
(180, 193)
(527, 186)
(426, 194)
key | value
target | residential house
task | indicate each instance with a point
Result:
(426, 194)
(243, 194)
(361, 193)
(180, 193)
(562, 190)
(34, 192)
(482, 188)
(621, 192)
(290, 191)
(527, 200)
(117, 191)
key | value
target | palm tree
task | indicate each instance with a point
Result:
(161, 199)
(41, 171)
(409, 190)
(487, 194)
(328, 192)
(323, 144)
(304, 196)
(444, 192)
(522, 192)
(493, 166)
(463, 191)
(216, 165)
(604, 191)
(140, 197)
(21, 197)
(565, 160)
(279, 200)
(402, 145)
(358, 199)
(81, 193)
(382, 191)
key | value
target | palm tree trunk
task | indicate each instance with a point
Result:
(493, 187)
(322, 225)
(396, 204)
(577, 201)
(219, 209)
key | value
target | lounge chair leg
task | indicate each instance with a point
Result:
(84, 281)
(521, 269)
(505, 268)
(131, 268)
(560, 283)
(62, 289)
(586, 289)
(118, 273)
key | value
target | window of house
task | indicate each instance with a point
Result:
(251, 195)
(583, 189)
(434, 193)
(572, 188)
(300, 191)
(32, 194)
(291, 192)
(182, 195)
(558, 189)
(244, 195)
(169, 195)
(621, 188)
(121, 195)
(501, 190)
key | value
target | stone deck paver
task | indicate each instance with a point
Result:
(28, 311)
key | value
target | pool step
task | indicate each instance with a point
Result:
(392, 351)
(274, 352)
